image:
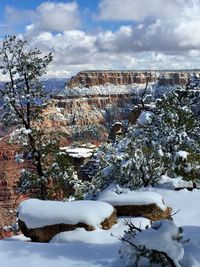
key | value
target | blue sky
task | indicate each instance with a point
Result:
(108, 34)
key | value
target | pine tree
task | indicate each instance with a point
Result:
(167, 144)
(25, 101)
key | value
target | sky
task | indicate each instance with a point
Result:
(108, 34)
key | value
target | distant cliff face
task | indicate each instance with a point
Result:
(89, 118)
(173, 78)
(96, 78)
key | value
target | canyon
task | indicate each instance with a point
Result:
(86, 110)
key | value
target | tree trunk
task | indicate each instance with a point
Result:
(43, 187)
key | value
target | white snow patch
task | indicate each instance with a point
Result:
(99, 236)
(145, 118)
(78, 152)
(37, 213)
(182, 154)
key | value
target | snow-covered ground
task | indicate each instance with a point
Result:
(100, 248)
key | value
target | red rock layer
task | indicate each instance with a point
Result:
(94, 78)
(9, 173)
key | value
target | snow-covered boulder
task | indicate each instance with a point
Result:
(41, 219)
(161, 243)
(136, 203)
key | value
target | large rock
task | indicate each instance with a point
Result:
(46, 233)
(137, 203)
(53, 217)
(151, 211)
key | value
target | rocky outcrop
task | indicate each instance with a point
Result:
(96, 78)
(91, 110)
(173, 78)
(46, 233)
(151, 211)
(90, 118)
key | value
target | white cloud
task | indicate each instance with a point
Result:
(163, 35)
(137, 9)
(152, 31)
(51, 16)
(75, 50)
(48, 16)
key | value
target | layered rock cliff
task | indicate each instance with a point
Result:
(97, 78)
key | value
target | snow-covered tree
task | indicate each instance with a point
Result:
(160, 245)
(167, 143)
(175, 132)
(25, 101)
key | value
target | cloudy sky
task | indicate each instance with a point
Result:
(108, 34)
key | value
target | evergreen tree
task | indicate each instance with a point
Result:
(25, 101)
(167, 144)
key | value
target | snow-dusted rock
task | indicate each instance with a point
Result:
(136, 203)
(41, 220)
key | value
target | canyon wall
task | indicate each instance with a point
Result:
(96, 78)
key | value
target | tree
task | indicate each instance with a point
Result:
(25, 102)
(168, 143)
(175, 132)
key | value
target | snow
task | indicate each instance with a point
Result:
(123, 197)
(101, 249)
(172, 183)
(81, 235)
(161, 239)
(23, 254)
(99, 236)
(185, 205)
(38, 213)
(108, 89)
(183, 202)
(182, 154)
(145, 118)
(78, 152)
